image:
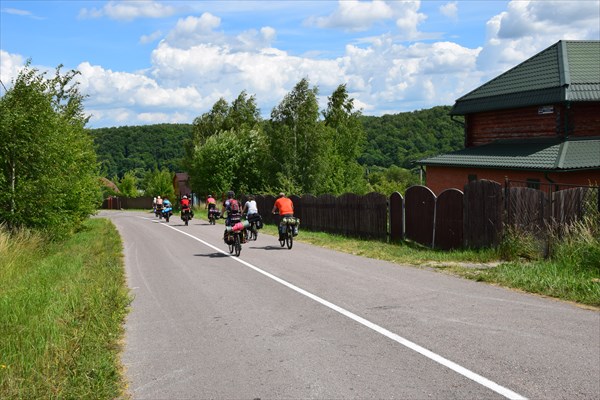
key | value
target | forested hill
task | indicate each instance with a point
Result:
(142, 148)
(396, 139)
(400, 139)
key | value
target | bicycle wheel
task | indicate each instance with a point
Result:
(289, 238)
(231, 247)
(238, 245)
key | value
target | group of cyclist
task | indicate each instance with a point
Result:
(231, 208)
(283, 206)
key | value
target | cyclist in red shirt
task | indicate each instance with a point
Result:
(285, 207)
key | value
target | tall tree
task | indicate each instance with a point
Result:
(49, 176)
(346, 137)
(296, 141)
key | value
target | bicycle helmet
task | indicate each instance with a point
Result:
(185, 197)
(230, 194)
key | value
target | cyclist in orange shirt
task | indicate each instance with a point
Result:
(285, 207)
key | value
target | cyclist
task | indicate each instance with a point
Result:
(185, 206)
(232, 207)
(285, 207)
(250, 206)
(210, 202)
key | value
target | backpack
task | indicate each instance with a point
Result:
(234, 206)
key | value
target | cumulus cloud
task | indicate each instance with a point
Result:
(450, 10)
(10, 65)
(527, 27)
(122, 96)
(408, 18)
(354, 15)
(129, 10)
(194, 31)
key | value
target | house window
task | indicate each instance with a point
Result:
(533, 183)
(472, 177)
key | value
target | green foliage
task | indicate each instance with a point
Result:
(49, 178)
(517, 244)
(141, 148)
(62, 309)
(345, 138)
(294, 151)
(392, 179)
(230, 160)
(159, 183)
(579, 244)
(400, 139)
(228, 149)
(128, 185)
(297, 141)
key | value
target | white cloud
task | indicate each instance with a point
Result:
(354, 15)
(126, 96)
(10, 65)
(145, 39)
(196, 63)
(23, 13)
(129, 10)
(528, 27)
(450, 10)
(408, 18)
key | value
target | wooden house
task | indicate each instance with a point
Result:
(538, 123)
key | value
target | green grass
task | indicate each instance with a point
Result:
(62, 308)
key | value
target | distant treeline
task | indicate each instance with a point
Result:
(140, 148)
(394, 139)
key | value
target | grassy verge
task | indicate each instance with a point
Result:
(572, 272)
(62, 308)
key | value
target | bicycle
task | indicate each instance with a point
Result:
(234, 236)
(235, 243)
(287, 237)
(252, 230)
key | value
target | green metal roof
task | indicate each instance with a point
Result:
(529, 154)
(565, 71)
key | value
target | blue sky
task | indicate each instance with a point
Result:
(146, 61)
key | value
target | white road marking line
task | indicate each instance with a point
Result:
(509, 394)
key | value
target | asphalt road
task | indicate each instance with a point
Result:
(311, 323)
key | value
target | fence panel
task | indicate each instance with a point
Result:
(297, 201)
(265, 206)
(526, 208)
(144, 202)
(347, 214)
(396, 217)
(419, 206)
(373, 221)
(309, 211)
(111, 203)
(449, 220)
(483, 208)
(569, 205)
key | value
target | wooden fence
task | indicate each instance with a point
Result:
(475, 217)
(350, 214)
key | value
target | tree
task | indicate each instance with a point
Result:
(128, 185)
(346, 138)
(229, 148)
(296, 142)
(49, 176)
(159, 183)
